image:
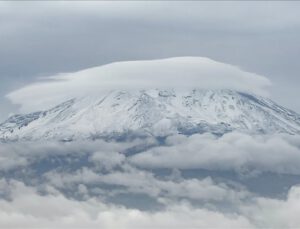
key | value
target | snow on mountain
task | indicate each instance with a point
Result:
(153, 112)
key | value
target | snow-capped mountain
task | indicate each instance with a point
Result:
(128, 113)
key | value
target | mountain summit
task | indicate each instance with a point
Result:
(136, 113)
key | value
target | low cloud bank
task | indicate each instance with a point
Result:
(179, 72)
(24, 210)
(81, 184)
(22, 154)
(233, 151)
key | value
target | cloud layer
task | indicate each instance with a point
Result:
(233, 151)
(180, 72)
(24, 211)
(105, 184)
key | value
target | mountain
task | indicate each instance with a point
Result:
(123, 114)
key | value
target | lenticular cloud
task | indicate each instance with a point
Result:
(179, 72)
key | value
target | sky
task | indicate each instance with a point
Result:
(40, 39)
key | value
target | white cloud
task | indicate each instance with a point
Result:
(20, 205)
(28, 209)
(138, 181)
(274, 213)
(107, 160)
(24, 210)
(22, 154)
(233, 151)
(180, 72)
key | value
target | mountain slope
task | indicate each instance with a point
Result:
(119, 114)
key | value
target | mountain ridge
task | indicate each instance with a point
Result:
(153, 112)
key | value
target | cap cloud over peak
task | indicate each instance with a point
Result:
(177, 72)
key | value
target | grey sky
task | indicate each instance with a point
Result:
(44, 38)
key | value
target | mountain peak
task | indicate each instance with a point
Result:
(153, 112)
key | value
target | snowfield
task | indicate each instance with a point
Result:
(153, 112)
